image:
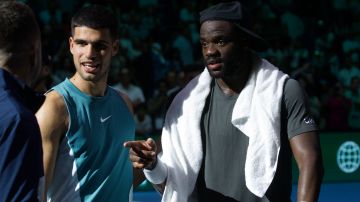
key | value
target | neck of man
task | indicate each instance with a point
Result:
(91, 88)
(232, 86)
(236, 81)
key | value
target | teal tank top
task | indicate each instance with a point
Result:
(92, 164)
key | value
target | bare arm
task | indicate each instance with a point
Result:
(307, 153)
(53, 121)
(139, 177)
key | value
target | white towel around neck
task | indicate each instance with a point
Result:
(256, 113)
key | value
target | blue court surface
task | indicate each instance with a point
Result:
(337, 192)
(146, 196)
(330, 192)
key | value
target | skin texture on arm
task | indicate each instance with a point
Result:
(53, 121)
(307, 153)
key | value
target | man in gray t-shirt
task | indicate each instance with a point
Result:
(225, 147)
(230, 133)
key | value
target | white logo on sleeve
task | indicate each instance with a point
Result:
(102, 120)
(309, 120)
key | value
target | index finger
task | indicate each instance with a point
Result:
(138, 145)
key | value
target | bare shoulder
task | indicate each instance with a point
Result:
(53, 114)
(54, 102)
(127, 100)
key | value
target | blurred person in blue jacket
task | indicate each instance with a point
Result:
(21, 170)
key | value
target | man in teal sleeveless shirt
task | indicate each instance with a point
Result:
(84, 122)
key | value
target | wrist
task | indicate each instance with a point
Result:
(158, 174)
(152, 165)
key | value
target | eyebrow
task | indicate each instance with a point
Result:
(215, 37)
(92, 42)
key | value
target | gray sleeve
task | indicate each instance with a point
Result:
(297, 110)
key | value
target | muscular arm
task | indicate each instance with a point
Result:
(307, 153)
(53, 121)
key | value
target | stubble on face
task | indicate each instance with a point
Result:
(225, 54)
(92, 50)
(219, 47)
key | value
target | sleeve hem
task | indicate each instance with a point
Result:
(158, 174)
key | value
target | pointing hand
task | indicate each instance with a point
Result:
(142, 153)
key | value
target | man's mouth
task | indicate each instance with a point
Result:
(90, 67)
(214, 64)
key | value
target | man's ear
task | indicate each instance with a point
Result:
(115, 47)
(71, 44)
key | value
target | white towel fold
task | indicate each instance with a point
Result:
(257, 114)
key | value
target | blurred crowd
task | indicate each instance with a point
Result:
(316, 42)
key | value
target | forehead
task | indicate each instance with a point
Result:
(216, 27)
(88, 33)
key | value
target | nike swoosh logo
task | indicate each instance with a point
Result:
(102, 120)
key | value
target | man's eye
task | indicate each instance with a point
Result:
(204, 44)
(100, 46)
(220, 43)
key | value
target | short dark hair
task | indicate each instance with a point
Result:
(96, 17)
(18, 25)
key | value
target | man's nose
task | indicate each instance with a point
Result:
(91, 52)
(211, 50)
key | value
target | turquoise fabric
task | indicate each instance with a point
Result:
(97, 130)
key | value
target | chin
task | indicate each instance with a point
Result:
(88, 77)
(216, 74)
